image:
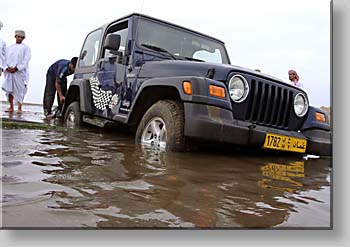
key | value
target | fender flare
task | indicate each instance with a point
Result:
(312, 123)
(200, 90)
(84, 95)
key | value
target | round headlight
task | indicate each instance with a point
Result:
(238, 88)
(300, 105)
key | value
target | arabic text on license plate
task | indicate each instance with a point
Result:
(285, 143)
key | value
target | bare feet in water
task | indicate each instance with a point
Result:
(10, 110)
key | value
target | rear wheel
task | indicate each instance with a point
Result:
(162, 127)
(73, 117)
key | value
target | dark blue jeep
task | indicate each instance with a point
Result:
(173, 84)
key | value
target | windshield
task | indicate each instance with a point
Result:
(180, 43)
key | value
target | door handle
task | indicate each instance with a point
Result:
(100, 65)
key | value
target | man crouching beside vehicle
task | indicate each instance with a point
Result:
(56, 80)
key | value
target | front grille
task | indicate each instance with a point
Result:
(269, 104)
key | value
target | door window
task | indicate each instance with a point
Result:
(122, 30)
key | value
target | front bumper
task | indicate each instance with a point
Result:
(217, 124)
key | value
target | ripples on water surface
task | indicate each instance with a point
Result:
(90, 179)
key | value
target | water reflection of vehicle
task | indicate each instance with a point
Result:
(283, 185)
(282, 172)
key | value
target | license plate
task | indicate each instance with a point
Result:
(285, 143)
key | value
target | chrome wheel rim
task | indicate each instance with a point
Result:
(155, 134)
(70, 121)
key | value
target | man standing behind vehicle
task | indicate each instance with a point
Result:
(17, 71)
(294, 78)
(56, 80)
(2, 53)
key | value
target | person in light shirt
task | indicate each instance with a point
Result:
(17, 72)
(2, 53)
(294, 78)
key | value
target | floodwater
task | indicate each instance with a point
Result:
(98, 179)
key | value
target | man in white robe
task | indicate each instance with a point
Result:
(294, 78)
(17, 72)
(2, 53)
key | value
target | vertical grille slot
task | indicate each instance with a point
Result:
(269, 100)
(289, 107)
(283, 111)
(280, 106)
(250, 100)
(277, 106)
(254, 96)
(273, 106)
(263, 101)
(256, 102)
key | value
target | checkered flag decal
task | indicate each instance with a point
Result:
(100, 97)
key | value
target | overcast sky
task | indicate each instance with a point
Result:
(271, 35)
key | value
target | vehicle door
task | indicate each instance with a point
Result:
(86, 68)
(106, 84)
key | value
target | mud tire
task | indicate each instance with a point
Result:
(73, 116)
(172, 114)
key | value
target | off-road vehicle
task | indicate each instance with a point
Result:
(173, 84)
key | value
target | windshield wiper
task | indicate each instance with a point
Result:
(194, 59)
(159, 49)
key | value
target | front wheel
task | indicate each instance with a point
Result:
(73, 117)
(162, 127)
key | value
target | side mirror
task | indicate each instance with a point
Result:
(112, 42)
(83, 54)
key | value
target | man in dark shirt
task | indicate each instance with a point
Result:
(56, 80)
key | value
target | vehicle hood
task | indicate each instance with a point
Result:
(170, 68)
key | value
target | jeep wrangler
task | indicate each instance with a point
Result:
(173, 84)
